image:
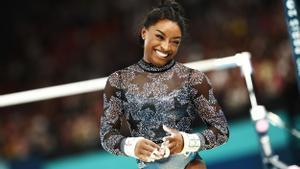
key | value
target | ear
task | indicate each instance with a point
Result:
(143, 33)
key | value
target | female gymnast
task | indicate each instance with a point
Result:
(159, 99)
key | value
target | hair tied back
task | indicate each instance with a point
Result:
(171, 4)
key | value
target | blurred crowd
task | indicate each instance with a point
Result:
(55, 42)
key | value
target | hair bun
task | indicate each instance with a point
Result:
(171, 4)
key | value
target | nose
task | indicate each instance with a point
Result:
(165, 45)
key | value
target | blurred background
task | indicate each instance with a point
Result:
(50, 42)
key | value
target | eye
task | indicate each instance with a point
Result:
(160, 37)
(176, 42)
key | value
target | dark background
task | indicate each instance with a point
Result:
(51, 42)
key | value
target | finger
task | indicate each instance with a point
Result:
(148, 145)
(145, 153)
(143, 150)
(169, 138)
(148, 148)
(169, 130)
(173, 150)
(144, 158)
(152, 144)
(156, 154)
(149, 158)
(172, 145)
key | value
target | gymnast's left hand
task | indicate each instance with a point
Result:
(175, 140)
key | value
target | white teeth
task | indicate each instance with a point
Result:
(161, 54)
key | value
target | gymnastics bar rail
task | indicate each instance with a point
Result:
(239, 59)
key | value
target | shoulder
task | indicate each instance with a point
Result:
(187, 68)
(194, 73)
(181, 70)
(116, 78)
(114, 75)
(113, 79)
(195, 76)
(118, 73)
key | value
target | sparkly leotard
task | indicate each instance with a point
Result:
(149, 97)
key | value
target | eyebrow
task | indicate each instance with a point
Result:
(178, 37)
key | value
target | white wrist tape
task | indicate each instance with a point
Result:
(129, 145)
(192, 143)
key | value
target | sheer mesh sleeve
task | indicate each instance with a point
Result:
(206, 105)
(110, 135)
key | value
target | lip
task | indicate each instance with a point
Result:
(161, 54)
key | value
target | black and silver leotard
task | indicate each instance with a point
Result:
(149, 97)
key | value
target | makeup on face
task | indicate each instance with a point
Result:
(161, 42)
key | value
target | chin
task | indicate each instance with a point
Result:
(159, 61)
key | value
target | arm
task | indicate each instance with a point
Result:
(207, 107)
(111, 138)
(110, 135)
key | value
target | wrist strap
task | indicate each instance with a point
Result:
(192, 143)
(129, 145)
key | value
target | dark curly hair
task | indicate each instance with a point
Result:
(167, 9)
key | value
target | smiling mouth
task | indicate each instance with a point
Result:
(161, 54)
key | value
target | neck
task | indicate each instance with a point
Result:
(149, 67)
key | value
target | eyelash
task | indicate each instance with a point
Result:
(176, 42)
(161, 38)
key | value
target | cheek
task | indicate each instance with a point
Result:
(149, 44)
(175, 49)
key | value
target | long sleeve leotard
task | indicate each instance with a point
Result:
(149, 97)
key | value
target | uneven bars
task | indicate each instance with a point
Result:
(237, 60)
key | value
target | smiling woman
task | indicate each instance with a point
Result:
(159, 99)
(161, 42)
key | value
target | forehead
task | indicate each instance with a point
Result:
(168, 27)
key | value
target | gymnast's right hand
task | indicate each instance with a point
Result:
(144, 150)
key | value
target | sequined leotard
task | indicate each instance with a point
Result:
(149, 97)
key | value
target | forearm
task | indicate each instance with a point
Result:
(112, 143)
(212, 138)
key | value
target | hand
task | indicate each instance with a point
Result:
(144, 149)
(175, 140)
